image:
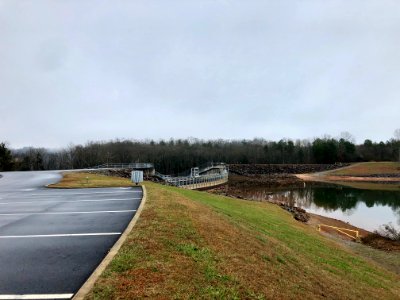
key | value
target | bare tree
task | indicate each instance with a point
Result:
(347, 136)
(397, 138)
(397, 134)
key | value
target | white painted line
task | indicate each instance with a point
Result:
(37, 296)
(50, 194)
(44, 195)
(66, 201)
(70, 212)
(65, 193)
(58, 235)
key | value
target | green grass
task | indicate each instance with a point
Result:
(190, 244)
(389, 259)
(168, 242)
(276, 224)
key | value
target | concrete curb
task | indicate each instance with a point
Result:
(89, 284)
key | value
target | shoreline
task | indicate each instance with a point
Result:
(368, 238)
(344, 178)
(316, 219)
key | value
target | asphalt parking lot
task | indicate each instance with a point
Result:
(52, 240)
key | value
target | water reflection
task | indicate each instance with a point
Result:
(364, 208)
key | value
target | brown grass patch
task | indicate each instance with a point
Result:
(73, 180)
(369, 175)
(369, 168)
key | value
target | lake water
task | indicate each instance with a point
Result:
(367, 209)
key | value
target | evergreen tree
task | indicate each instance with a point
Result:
(6, 160)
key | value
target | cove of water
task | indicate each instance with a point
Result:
(368, 209)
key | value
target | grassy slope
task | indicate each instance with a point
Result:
(389, 259)
(368, 168)
(88, 180)
(190, 244)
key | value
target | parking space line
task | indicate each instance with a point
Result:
(69, 212)
(69, 193)
(60, 196)
(65, 201)
(37, 296)
(91, 193)
(59, 235)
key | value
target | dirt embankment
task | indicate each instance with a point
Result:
(316, 220)
(371, 239)
(366, 237)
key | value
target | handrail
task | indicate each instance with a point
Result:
(183, 181)
(162, 176)
(341, 230)
(212, 166)
(124, 166)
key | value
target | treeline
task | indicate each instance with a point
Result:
(175, 156)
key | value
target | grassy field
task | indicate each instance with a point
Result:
(190, 244)
(87, 180)
(368, 168)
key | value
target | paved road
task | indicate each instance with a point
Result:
(51, 240)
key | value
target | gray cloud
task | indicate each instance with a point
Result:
(72, 71)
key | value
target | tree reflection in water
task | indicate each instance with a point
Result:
(330, 198)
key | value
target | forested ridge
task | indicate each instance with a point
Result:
(174, 156)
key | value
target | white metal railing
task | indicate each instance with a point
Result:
(125, 166)
(202, 179)
(162, 176)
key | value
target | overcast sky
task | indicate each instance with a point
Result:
(73, 71)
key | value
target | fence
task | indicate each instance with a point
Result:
(342, 230)
(162, 176)
(201, 181)
(125, 166)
